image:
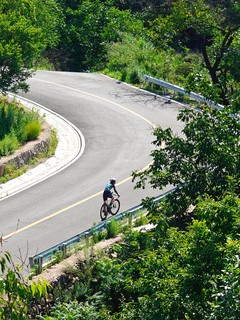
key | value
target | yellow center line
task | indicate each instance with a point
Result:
(62, 210)
(51, 215)
(94, 195)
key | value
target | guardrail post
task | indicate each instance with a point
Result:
(31, 262)
(130, 219)
(40, 264)
(86, 235)
(64, 250)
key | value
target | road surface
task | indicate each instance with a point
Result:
(117, 123)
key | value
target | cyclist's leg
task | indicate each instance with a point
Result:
(105, 200)
(106, 196)
(112, 200)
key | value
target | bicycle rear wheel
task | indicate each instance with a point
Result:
(115, 207)
(103, 212)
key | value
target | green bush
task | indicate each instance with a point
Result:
(6, 119)
(33, 130)
(112, 229)
(142, 220)
(73, 310)
(43, 63)
(134, 56)
(8, 145)
(17, 126)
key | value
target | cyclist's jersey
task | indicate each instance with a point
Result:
(108, 191)
(109, 187)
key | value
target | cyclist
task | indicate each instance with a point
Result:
(107, 193)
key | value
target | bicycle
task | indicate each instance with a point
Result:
(106, 209)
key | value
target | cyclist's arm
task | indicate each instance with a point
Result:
(116, 191)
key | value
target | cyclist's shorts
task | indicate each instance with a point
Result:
(106, 194)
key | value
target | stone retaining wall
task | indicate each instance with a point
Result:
(30, 150)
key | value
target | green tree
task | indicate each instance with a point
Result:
(167, 273)
(211, 28)
(174, 274)
(27, 27)
(15, 293)
(89, 27)
(204, 161)
(226, 286)
(211, 255)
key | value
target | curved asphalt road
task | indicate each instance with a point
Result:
(116, 121)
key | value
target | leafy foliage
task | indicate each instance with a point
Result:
(204, 161)
(8, 145)
(16, 127)
(169, 273)
(33, 130)
(112, 229)
(16, 294)
(208, 27)
(89, 27)
(73, 310)
(27, 28)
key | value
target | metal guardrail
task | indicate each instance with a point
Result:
(193, 95)
(45, 258)
(172, 87)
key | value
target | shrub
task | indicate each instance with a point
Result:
(142, 220)
(16, 126)
(6, 119)
(112, 229)
(73, 310)
(33, 130)
(8, 145)
(134, 56)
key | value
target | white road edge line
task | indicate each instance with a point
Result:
(71, 146)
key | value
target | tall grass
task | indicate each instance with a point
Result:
(134, 56)
(16, 126)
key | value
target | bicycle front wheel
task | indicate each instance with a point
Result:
(115, 207)
(103, 212)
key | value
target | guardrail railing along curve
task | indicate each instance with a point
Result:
(175, 88)
(44, 258)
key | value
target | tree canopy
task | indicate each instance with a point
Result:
(78, 36)
(205, 161)
(27, 27)
(211, 28)
(88, 29)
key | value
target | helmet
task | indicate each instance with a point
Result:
(113, 180)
